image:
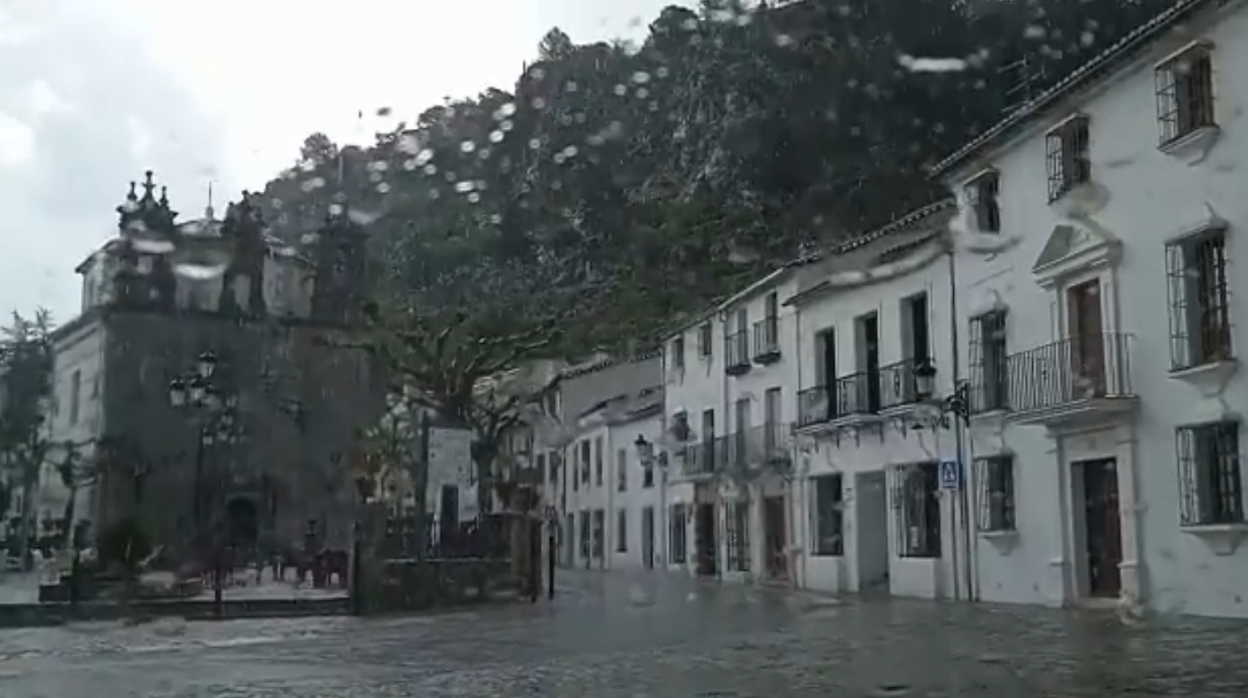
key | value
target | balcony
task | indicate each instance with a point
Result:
(898, 388)
(737, 353)
(855, 395)
(747, 452)
(1071, 382)
(756, 449)
(700, 459)
(767, 341)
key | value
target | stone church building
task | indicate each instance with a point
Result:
(201, 380)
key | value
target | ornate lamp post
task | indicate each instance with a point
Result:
(197, 395)
(648, 459)
(958, 404)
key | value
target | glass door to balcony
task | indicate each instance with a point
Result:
(1086, 342)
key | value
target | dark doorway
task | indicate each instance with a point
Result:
(705, 540)
(647, 538)
(775, 525)
(1102, 525)
(448, 516)
(243, 521)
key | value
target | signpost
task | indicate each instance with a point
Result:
(950, 475)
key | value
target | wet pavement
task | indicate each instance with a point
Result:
(608, 637)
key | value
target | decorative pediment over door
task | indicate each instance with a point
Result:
(1075, 247)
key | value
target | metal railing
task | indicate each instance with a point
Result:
(752, 448)
(897, 384)
(857, 393)
(1055, 374)
(766, 338)
(737, 350)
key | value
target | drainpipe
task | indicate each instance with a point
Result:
(797, 480)
(969, 558)
(721, 514)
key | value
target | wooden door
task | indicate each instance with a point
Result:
(1087, 340)
(647, 538)
(774, 525)
(1102, 524)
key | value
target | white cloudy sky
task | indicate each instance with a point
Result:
(93, 92)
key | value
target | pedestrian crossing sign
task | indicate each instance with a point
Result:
(950, 475)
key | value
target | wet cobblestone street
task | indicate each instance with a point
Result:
(608, 637)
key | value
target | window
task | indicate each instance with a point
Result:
(982, 196)
(585, 461)
(738, 525)
(989, 377)
(678, 353)
(647, 475)
(678, 534)
(1067, 154)
(1185, 94)
(704, 340)
(916, 498)
(621, 530)
(556, 465)
(995, 480)
(621, 470)
(75, 396)
(540, 464)
(600, 525)
(1200, 322)
(598, 462)
(829, 515)
(1210, 483)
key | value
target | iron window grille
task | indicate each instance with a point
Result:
(1210, 483)
(621, 531)
(585, 462)
(678, 534)
(678, 353)
(738, 536)
(982, 195)
(598, 462)
(705, 338)
(916, 500)
(621, 468)
(829, 515)
(1200, 318)
(989, 362)
(1069, 164)
(994, 477)
(1185, 97)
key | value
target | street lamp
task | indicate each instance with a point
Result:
(957, 404)
(648, 459)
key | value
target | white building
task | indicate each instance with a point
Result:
(870, 507)
(1096, 231)
(731, 382)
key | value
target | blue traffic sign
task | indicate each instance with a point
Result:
(951, 475)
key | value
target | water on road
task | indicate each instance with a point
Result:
(609, 637)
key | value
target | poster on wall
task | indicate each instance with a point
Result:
(450, 457)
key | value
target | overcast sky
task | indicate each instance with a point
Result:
(93, 92)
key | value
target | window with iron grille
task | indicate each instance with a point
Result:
(678, 534)
(994, 479)
(988, 362)
(1200, 321)
(829, 515)
(621, 468)
(1185, 98)
(678, 353)
(1210, 484)
(738, 536)
(916, 499)
(585, 461)
(705, 336)
(598, 462)
(621, 530)
(1067, 154)
(982, 196)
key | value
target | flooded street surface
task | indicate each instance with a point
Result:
(608, 637)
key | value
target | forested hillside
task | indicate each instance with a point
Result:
(615, 186)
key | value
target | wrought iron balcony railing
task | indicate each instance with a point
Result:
(897, 384)
(737, 352)
(857, 393)
(767, 340)
(1067, 371)
(756, 448)
(701, 458)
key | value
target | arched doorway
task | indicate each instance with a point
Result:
(242, 518)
